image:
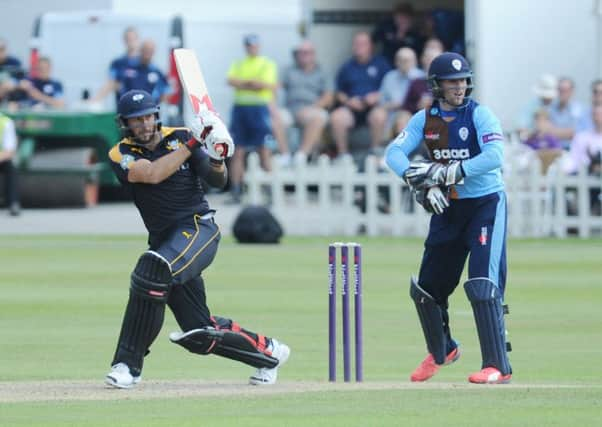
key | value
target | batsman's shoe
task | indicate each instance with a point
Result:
(121, 377)
(264, 376)
(428, 367)
(489, 375)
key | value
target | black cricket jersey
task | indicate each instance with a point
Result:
(177, 197)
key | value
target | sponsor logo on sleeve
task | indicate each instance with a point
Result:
(492, 137)
(431, 136)
(126, 160)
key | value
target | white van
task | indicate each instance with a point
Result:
(81, 46)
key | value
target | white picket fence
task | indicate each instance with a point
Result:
(338, 199)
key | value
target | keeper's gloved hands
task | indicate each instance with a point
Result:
(422, 174)
(207, 128)
(433, 200)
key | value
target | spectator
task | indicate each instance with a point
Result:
(396, 32)
(121, 67)
(10, 71)
(586, 146)
(393, 92)
(147, 76)
(357, 84)
(596, 99)
(254, 79)
(434, 43)
(42, 91)
(309, 95)
(546, 91)
(540, 138)
(8, 149)
(419, 95)
(565, 113)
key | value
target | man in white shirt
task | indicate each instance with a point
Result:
(8, 149)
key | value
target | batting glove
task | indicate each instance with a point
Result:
(424, 174)
(433, 200)
(208, 129)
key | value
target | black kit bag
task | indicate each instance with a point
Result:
(255, 224)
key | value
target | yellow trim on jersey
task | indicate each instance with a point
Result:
(198, 252)
(115, 154)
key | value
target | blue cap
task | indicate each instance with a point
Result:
(136, 103)
(251, 39)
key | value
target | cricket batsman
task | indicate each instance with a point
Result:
(163, 168)
(461, 185)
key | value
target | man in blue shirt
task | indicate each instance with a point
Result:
(146, 75)
(357, 85)
(462, 186)
(42, 90)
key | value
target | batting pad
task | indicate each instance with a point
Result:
(431, 320)
(486, 300)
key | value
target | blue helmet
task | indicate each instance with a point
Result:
(448, 66)
(135, 103)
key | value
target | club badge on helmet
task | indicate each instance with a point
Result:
(135, 103)
(448, 66)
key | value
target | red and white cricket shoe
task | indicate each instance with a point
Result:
(489, 375)
(428, 367)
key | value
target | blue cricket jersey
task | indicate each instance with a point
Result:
(474, 136)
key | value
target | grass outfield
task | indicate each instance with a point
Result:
(63, 298)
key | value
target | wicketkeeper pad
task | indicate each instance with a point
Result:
(431, 320)
(486, 300)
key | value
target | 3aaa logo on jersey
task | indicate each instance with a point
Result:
(451, 153)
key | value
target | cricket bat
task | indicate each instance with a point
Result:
(194, 85)
(192, 79)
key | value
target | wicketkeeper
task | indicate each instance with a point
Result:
(163, 168)
(461, 185)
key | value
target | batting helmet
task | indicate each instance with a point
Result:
(135, 103)
(449, 66)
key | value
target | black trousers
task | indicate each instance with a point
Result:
(11, 194)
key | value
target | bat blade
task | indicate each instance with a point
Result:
(192, 79)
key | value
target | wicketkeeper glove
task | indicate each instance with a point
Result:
(433, 200)
(208, 129)
(424, 174)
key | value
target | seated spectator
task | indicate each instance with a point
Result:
(393, 92)
(146, 75)
(546, 91)
(419, 95)
(8, 150)
(396, 32)
(42, 91)
(586, 147)
(434, 43)
(565, 113)
(10, 71)
(121, 67)
(357, 84)
(540, 138)
(309, 95)
(586, 122)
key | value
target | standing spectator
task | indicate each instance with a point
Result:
(357, 84)
(393, 92)
(396, 32)
(8, 150)
(10, 71)
(308, 96)
(254, 79)
(147, 76)
(121, 67)
(419, 96)
(42, 91)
